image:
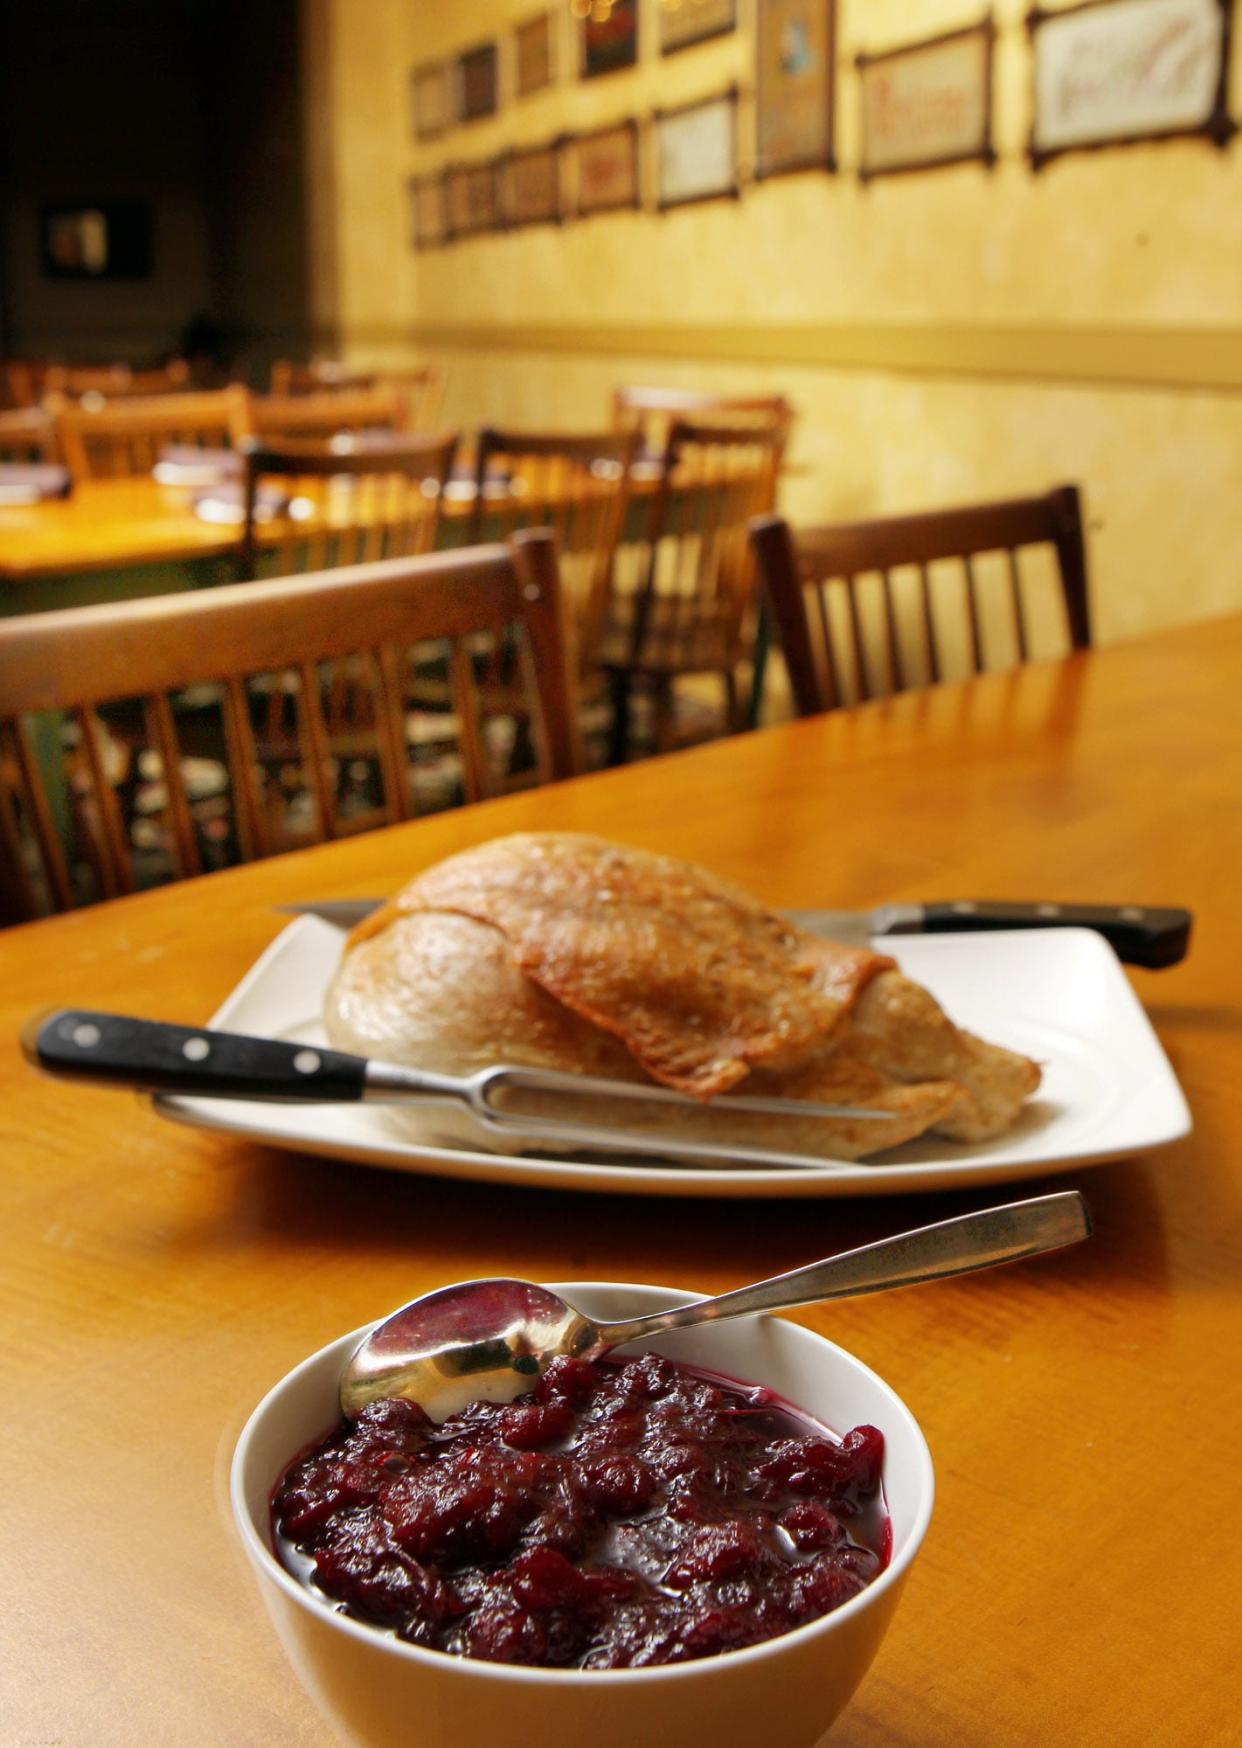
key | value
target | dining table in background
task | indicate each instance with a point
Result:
(116, 539)
(1080, 1580)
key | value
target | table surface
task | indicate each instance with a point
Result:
(111, 524)
(105, 525)
(1080, 1579)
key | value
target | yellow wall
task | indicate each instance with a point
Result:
(946, 336)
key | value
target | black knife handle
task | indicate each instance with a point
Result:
(1138, 934)
(114, 1050)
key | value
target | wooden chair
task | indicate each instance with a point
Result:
(330, 413)
(838, 633)
(121, 439)
(576, 484)
(686, 610)
(27, 435)
(652, 411)
(115, 381)
(422, 385)
(357, 506)
(21, 381)
(79, 660)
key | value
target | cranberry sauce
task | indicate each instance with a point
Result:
(615, 1517)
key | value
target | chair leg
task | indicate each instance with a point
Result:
(734, 720)
(619, 734)
(664, 722)
(763, 649)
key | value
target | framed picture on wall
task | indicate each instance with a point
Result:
(534, 53)
(470, 199)
(696, 151)
(606, 169)
(795, 86)
(428, 221)
(105, 239)
(431, 99)
(531, 186)
(1113, 72)
(928, 103)
(694, 21)
(610, 38)
(477, 83)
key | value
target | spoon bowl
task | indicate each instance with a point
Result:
(493, 1339)
(476, 1341)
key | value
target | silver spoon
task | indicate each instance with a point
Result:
(490, 1340)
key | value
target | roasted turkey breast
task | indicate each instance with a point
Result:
(563, 951)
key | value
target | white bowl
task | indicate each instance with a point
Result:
(382, 1693)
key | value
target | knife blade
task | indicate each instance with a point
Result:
(1151, 936)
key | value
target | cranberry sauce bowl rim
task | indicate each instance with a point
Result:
(259, 1546)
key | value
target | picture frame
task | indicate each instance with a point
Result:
(428, 213)
(607, 169)
(478, 82)
(531, 186)
(696, 151)
(695, 21)
(928, 103)
(535, 53)
(470, 203)
(431, 100)
(1120, 72)
(102, 239)
(609, 44)
(795, 86)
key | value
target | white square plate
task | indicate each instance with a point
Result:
(1058, 995)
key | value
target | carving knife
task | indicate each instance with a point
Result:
(1147, 935)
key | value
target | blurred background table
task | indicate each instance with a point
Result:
(1080, 1580)
(111, 540)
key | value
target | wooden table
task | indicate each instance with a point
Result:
(1080, 1581)
(110, 525)
(104, 525)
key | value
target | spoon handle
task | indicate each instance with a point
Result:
(929, 1253)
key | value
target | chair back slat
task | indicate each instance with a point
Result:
(1016, 604)
(388, 749)
(790, 562)
(896, 664)
(17, 893)
(972, 612)
(931, 645)
(243, 762)
(466, 708)
(21, 781)
(828, 644)
(316, 746)
(104, 823)
(858, 649)
(122, 439)
(162, 733)
(228, 688)
(392, 724)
